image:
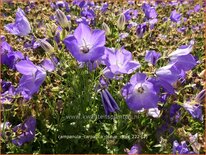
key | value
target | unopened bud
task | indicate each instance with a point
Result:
(121, 22)
(62, 19)
(46, 46)
(106, 28)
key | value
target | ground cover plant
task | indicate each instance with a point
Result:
(102, 77)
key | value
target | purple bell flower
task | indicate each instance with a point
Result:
(25, 131)
(149, 11)
(141, 29)
(194, 109)
(32, 79)
(83, 20)
(88, 13)
(135, 149)
(8, 92)
(86, 45)
(169, 73)
(5, 85)
(139, 93)
(182, 50)
(110, 105)
(120, 62)
(175, 112)
(21, 26)
(175, 16)
(104, 7)
(152, 56)
(185, 62)
(127, 14)
(48, 65)
(181, 148)
(197, 8)
(8, 56)
(108, 101)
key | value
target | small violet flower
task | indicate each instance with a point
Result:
(181, 148)
(25, 132)
(86, 45)
(149, 11)
(152, 56)
(32, 79)
(119, 62)
(135, 149)
(21, 26)
(175, 16)
(194, 109)
(141, 29)
(139, 93)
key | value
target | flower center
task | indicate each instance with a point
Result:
(85, 47)
(140, 90)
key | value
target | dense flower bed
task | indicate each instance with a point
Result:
(102, 77)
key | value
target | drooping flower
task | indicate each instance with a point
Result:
(110, 105)
(141, 29)
(119, 62)
(175, 16)
(152, 56)
(86, 45)
(25, 132)
(108, 101)
(21, 26)
(181, 148)
(139, 93)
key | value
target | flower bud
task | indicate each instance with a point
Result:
(121, 22)
(106, 28)
(46, 46)
(62, 19)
